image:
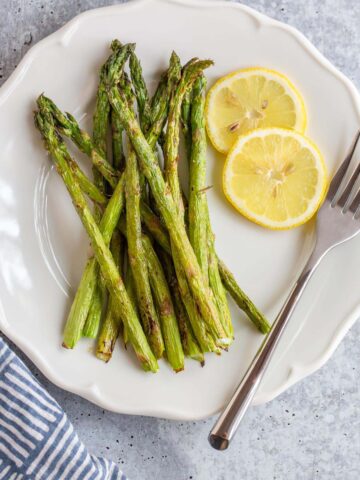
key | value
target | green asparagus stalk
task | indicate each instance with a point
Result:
(242, 300)
(81, 304)
(171, 153)
(91, 190)
(160, 91)
(103, 256)
(130, 288)
(93, 320)
(169, 326)
(160, 104)
(141, 92)
(189, 343)
(186, 120)
(69, 127)
(161, 236)
(117, 142)
(143, 103)
(111, 326)
(161, 98)
(171, 149)
(215, 281)
(100, 130)
(97, 151)
(200, 232)
(83, 298)
(168, 210)
(136, 254)
(137, 257)
(112, 71)
(202, 333)
(205, 340)
(84, 295)
(108, 334)
(197, 207)
(163, 299)
(154, 226)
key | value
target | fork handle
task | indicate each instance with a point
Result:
(228, 422)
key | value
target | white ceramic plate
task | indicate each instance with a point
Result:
(43, 246)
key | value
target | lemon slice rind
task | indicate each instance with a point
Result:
(268, 74)
(240, 205)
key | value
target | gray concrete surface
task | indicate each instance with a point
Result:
(310, 432)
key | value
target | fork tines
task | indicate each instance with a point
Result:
(340, 192)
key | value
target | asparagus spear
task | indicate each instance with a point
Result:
(154, 226)
(136, 254)
(83, 298)
(163, 299)
(168, 210)
(185, 120)
(197, 198)
(110, 328)
(242, 300)
(97, 153)
(161, 98)
(196, 324)
(68, 126)
(200, 232)
(216, 284)
(137, 257)
(86, 185)
(171, 148)
(141, 92)
(100, 130)
(117, 142)
(93, 320)
(144, 111)
(81, 304)
(161, 236)
(169, 326)
(103, 256)
(190, 71)
(111, 71)
(160, 90)
(160, 103)
(190, 345)
(85, 292)
(130, 288)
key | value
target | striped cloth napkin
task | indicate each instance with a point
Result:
(37, 441)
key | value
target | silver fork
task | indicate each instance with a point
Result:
(338, 220)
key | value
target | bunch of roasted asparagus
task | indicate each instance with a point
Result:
(154, 278)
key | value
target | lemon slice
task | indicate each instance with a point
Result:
(248, 99)
(275, 177)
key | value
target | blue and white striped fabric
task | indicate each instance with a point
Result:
(37, 441)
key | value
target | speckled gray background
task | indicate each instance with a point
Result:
(310, 432)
